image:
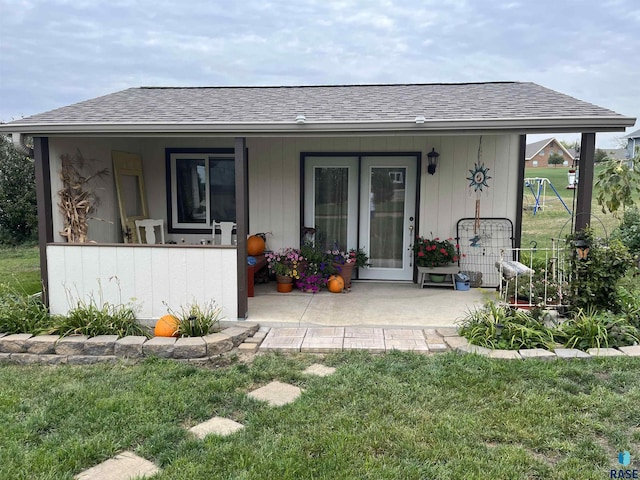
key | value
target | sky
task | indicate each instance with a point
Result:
(58, 52)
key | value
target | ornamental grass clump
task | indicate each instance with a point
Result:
(20, 313)
(500, 326)
(197, 320)
(93, 318)
(435, 252)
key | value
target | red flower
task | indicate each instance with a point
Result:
(442, 250)
(421, 254)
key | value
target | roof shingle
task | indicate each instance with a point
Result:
(347, 103)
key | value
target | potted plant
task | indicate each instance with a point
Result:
(344, 262)
(285, 265)
(313, 278)
(432, 253)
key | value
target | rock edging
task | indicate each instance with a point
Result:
(24, 348)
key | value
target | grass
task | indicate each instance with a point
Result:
(20, 268)
(555, 221)
(391, 416)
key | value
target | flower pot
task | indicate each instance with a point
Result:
(345, 271)
(437, 277)
(285, 283)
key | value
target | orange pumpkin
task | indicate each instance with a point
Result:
(335, 284)
(167, 326)
(255, 245)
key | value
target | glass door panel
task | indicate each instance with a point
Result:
(387, 212)
(331, 191)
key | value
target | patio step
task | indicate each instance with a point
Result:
(339, 339)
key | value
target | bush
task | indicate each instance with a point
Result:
(629, 301)
(20, 313)
(628, 232)
(18, 212)
(590, 329)
(91, 319)
(499, 326)
(594, 279)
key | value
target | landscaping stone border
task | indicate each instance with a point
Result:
(24, 348)
(461, 344)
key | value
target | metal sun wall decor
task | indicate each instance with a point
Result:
(478, 181)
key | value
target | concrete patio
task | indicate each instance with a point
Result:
(368, 304)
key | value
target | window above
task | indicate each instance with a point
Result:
(201, 189)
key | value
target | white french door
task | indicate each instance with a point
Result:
(387, 214)
(364, 202)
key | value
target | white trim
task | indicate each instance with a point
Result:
(587, 124)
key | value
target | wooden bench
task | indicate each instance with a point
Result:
(261, 263)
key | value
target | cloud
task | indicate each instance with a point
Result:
(57, 52)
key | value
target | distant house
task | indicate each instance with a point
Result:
(633, 143)
(538, 153)
(616, 153)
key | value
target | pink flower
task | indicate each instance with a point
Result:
(421, 254)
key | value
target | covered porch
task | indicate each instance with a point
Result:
(396, 304)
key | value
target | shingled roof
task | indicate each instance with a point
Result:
(500, 105)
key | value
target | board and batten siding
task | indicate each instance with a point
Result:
(274, 179)
(151, 278)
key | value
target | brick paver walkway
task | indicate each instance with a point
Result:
(338, 339)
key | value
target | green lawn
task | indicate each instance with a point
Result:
(554, 221)
(20, 268)
(401, 416)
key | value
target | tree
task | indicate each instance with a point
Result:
(600, 156)
(18, 211)
(556, 159)
(617, 183)
(569, 145)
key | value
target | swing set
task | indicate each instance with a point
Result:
(538, 188)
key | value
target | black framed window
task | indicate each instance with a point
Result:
(201, 188)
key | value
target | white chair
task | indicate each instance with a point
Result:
(226, 230)
(149, 226)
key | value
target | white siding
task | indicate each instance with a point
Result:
(274, 179)
(149, 277)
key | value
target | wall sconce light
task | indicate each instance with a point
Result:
(432, 158)
(301, 119)
(420, 119)
(582, 248)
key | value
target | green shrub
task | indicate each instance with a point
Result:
(629, 301)
(197, 320)
(499, 326)
(91, 319)
(628, 232)
(20, 313)
(590, 329)
(594, 279)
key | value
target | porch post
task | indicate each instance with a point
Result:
(522, 149)
(585, 181)
(242, 216)
(45, 215)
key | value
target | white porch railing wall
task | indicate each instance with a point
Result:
(150, 276)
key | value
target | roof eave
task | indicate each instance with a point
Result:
(559, 124)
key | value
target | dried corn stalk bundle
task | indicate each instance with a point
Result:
(77, 201)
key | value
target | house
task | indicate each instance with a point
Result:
(538, 153)
(633, 144)
(277, 159)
